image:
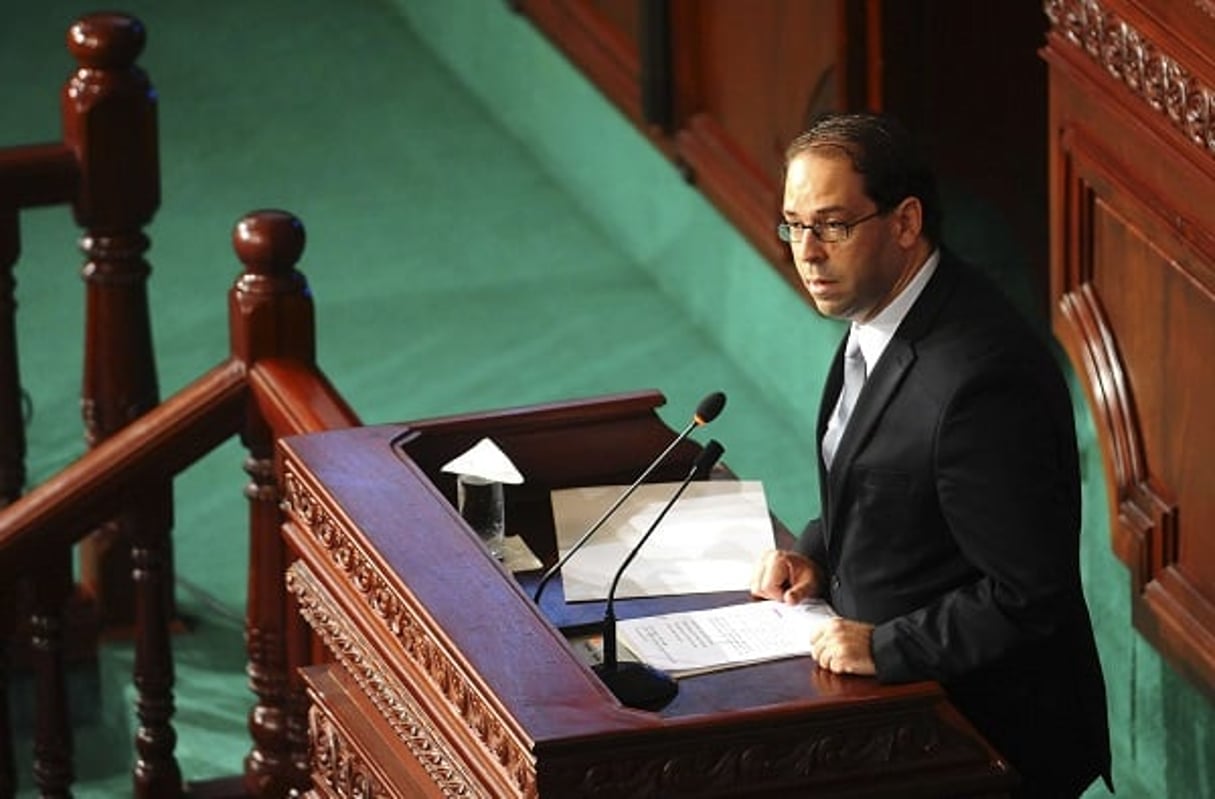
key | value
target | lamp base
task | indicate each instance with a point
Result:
(637, 685)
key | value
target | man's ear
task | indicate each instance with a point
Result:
(909, 215)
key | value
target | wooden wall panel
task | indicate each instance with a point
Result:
(764, 69)
(742, 78)
(721, 86)
(750, 76)
(1132, 137)
(600, 37)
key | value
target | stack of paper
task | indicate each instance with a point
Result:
(699, 641)
(710, 541)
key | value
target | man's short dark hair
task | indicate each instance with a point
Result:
(884, 154)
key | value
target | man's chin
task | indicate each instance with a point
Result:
(829, 309)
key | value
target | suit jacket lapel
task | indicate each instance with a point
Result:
(877, 393)
(879, 390)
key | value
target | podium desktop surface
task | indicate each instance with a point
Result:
(441, 677)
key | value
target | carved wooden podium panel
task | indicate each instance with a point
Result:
(1132, 137)
(445, 679)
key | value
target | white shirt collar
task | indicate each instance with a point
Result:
(875, 334)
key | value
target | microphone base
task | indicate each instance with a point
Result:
(638, 685)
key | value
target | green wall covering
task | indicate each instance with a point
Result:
(1163, 730)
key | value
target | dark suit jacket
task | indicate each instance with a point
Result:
(951, 520)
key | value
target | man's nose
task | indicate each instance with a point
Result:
(809, 249)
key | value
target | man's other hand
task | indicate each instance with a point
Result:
(786, 576)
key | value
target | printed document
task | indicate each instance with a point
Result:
(709, 541)
(699, 641)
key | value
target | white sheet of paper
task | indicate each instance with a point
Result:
(694, 642)
(709, 541)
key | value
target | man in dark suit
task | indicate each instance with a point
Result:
(948, 539)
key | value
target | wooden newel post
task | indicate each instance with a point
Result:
(270, 316)
(109, 123)
(270, 307)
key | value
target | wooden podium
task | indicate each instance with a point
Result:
(439, 676)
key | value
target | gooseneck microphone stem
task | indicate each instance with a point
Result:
(636, 684)
(609, 613)
(607, 514)
(706, 411)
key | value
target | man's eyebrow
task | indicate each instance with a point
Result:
(818, 212)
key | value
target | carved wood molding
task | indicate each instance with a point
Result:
(1133, 277)
(374, 677)
(787, 761)
(824, 751)
(1145, 532)
(382, 602)
(745, 196)
(1155, 77)
(335, 761)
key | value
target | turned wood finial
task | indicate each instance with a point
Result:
(109, 123)
(106, 40)
(269, 242)
(270, 305)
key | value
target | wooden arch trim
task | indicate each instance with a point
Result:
(1132, 186)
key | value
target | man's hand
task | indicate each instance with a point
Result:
(844, 646)
(786, 576)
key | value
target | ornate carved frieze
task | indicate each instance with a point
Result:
(337, 763)
(374, 677)
(1133, 262)
(419, 644)
(1138, 63)
(785, 761)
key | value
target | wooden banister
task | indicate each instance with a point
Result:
(39, 174)
(294, 399)
(271, 328)
(115, 501)
(269, 388)
(106, 167)
(109, 122)
(50, 587)
(171, 436)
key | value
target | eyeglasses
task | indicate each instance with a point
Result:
(826, 232)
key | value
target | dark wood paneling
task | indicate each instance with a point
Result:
(1133, 274)
(601, 38)
(747, 77)
(966, 78)
(751, 77)
(763, 69)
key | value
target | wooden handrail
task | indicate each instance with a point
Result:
(267, 389)
(39, 174)
(294, 399)
(115, 501)
(107, 169)
(162, 442)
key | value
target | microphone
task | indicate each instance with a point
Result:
(636, 684)
(706, 412)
